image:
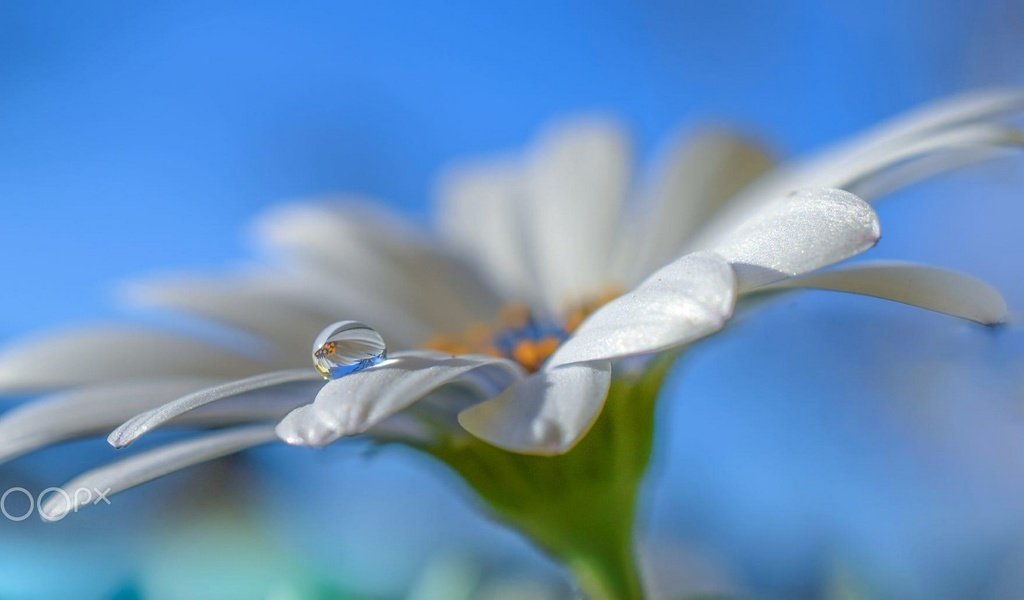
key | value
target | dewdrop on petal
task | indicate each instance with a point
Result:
(346, 347)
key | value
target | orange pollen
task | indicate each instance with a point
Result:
(519, 334)
(326, 350)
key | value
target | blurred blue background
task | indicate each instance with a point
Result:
(828, 444)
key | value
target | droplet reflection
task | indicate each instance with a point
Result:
(346, 347)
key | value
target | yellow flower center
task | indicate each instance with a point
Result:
(519, 334)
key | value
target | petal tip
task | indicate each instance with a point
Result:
(127, 433)
(303, 427)
(116, 439)
(546, 414)
(996, 319)
(545, 438)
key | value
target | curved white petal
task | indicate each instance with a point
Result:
(84, 411)
(94, 410)
(961, 146)
(353, 404)
(103, 354)
(923, 286)
(799, 233)
(142, 423)
(379, 255)
(892, 178)
(546, 414)
(693, 180)
(265, 404)
(147, 466)
(575, 181)
(682, 302)
(954, 122)
(958, 123)
(950, 148)
(964, 109)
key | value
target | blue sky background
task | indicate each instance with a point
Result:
(825, 436)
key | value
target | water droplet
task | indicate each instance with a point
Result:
(346, 347)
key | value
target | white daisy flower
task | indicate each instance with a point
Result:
(511, 323)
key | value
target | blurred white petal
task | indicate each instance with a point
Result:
(546, 414)
(576, 182)
(144, 422)
(479, 214)
(682, 302)
(799, 233)
(104, 354)
(353, 404)
(288, 309)
(926, 287)
(693, 180)
(378, 254)
(147, 466)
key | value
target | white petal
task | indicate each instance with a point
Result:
(353, 404)
(693, 180)
(961, 146)
(952, 112)
(147, 466)
(289, 309)
(953, 122)
(894, 177)
(576, 181)
(799, 233)
(84, 411)
(265, 404)
(99, 354)
(144, 422)
(682, 302)
(546, 414)
(479, 214)
(857, 170)
(93, 410)
(927, 287)
(378, 254)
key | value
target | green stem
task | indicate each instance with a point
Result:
(580, 507)
(600, 581)
(591, 534)
(608, 575)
